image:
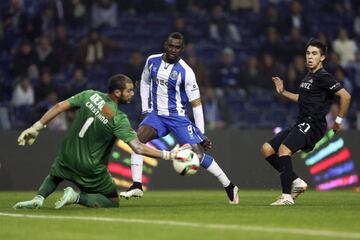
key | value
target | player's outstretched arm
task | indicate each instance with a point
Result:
(29, 135)
(140, 148)
(279, 85)
(345, 98)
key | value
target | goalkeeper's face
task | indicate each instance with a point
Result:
(126, 94)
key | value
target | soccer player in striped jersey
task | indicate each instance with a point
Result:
(84, 153)
(167, 85)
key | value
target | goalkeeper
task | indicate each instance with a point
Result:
(83, 156)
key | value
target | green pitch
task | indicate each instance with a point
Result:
(188, 215)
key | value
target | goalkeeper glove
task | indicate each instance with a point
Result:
(172, 155)
(29, 135)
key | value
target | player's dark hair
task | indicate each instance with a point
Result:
(319, 44)
(118, 81)
(177, 35)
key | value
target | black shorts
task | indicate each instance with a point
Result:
(302, 136)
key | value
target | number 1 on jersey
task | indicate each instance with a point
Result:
(85, 127)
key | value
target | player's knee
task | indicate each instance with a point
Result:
(284, 150)
(267, 150)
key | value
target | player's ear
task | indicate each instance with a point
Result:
(117, 93)
(322, 58)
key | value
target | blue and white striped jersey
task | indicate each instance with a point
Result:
(167, 88)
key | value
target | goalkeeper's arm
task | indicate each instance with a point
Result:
(142, 149)
(29, 135)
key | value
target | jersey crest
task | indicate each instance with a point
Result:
(174, 75)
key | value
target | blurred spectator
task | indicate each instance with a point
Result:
(354, 68)
(357, 23)
(23, 94)
(15, 20)
(296, 19)
(45, 86)
(195, 11)
(251, 75)
(93, 47)
(245, 5)
(340, 77)
(270, 68)
(344, 47)
(58, 123)
(221, 29)
(180, 26)
(46, 55)
(332, 62)
(331, 116)
(270, 19)
(200, 70)
(24, 58)
(78, 83)
(216, 114)
(292, 81)
(135, 66)
(104, 13)
(295, 45)
(63, 48)
(75, 13)
(300, 66)
(273, 45)
(45, 22)
(226, 74)
(323, 37)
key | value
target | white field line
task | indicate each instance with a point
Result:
(249, 228)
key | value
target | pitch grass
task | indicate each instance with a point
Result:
(316, 215)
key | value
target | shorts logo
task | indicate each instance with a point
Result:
(304, 127)
(174, 74)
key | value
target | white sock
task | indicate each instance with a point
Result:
(215, 169)
(284, 195)
(136, 167)
(40, 197)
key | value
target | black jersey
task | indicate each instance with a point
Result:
(316, 94)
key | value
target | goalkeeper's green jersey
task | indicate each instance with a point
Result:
(89, 141)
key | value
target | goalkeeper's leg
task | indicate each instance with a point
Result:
(93, 200)
(47, 187)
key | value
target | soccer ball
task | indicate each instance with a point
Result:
(189, 166)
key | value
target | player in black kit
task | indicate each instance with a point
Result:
(316, 93)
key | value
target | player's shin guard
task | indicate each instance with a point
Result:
(96, 201)
(49, 185)
(136, 167)
(286, 174)
(211, 166)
